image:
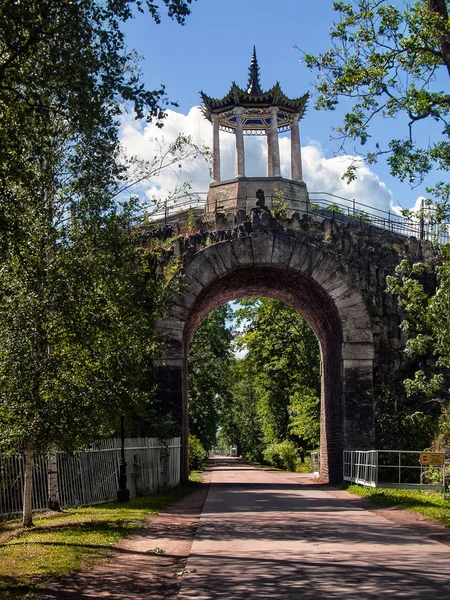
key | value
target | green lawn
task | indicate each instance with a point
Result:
(74, 539)
(429, 504)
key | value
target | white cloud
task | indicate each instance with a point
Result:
(325, 175)
(418, 205)
(148, 142)
(320, 174)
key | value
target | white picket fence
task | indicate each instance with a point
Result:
(91, 477)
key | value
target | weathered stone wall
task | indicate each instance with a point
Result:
(334, 274)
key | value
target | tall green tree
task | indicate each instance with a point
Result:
(65, 62)
(392, 60)
(424, 293)
(77, 296)
(241, 421)
(284, 356)
(211, 362)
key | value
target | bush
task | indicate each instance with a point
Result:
(305, 467)
(282, 455)
(197, 454)
(254, 455)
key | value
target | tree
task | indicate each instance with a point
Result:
(240, 421)
(210, 374)
(424, 293)
(76, 338)
(305, 413)
(283, 358)
(197, 454)
(68, 60)
(392, 62)
(77, 295)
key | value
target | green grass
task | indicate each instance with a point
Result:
(429, 504)
(60, 543)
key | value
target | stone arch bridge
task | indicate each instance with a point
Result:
(332, 273)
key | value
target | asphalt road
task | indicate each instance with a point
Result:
(275, 535)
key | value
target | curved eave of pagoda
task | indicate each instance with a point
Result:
(238, 97)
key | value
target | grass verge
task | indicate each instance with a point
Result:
(75, 539)
(429, 504)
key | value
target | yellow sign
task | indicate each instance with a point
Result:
(435, 459)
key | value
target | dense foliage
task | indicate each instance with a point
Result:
(241, 420)
(197, 454)
(424, 293)
(210, 374)
(283, 360)
(77, 296)
(265, 400)
(392, 59)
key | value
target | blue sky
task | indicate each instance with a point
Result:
(214, 48)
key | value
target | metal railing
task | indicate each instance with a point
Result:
(315, 461)
(361, 467)
(392, 469)
(350, 211)
(321, 205)
(171, 211)
(91, 477)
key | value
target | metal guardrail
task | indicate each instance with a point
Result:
(321, 205)
(361, 467)
(393, 469)
(171, 212)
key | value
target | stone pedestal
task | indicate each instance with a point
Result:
(241, 193)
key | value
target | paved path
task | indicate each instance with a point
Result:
(263, 535)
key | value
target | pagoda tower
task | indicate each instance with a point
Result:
(256, 112)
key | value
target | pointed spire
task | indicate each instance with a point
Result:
(254, 87)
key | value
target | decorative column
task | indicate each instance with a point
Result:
(296, 157)
(269, 153)
(240, 159)
(275, 148)
(216, 148)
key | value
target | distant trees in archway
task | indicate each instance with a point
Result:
(255, 380)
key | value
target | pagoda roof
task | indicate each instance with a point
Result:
(255, 103)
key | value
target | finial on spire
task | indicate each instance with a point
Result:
(254, 87)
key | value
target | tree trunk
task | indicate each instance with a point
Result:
(27, 520)
(53, 483)
(440, 7)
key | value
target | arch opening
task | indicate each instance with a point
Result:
(306, 297)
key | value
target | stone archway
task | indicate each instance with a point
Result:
(306, 277)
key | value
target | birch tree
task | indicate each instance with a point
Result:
(78, 296)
